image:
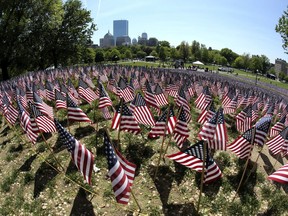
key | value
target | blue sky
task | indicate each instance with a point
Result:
(245, 26)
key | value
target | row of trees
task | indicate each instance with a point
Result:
(188, 53)
(36, 34)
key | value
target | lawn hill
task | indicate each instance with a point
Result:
(42, 179)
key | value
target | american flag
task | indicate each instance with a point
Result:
(141, 111)
(281, 175)
(25, 123)
(203, 99)
(207, 114)
(181, 132)
(60, 100)
(150, 97)
(182, 101)
(42, 106)
(231, 107)
(42, 90)
(159, 96)
(123, 91)
(29, 93)
(227, 98)
(72, 89)
(106, 114)
(121, 172)
(220, 138)
(111, 86)
(244, 119)
(81, 156)
(49, 91)
(104, 99)
(125, 120)
(242, 145)
(278, 127)
(159, 128)
(172, 90)
(22, 97)
(85, 92)
(193, 157)
(262, 128)
(9, 112)
(278, 143)
(39, 122)
(208, 130)
(255, 111)
(75, 113)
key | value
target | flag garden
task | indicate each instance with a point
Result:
(116, 140)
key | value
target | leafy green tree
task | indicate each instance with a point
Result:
(229, 55)
(141, 54)
(99, 56)
(128, 54)
(255, 64)
(154, 53)
(282, 76)
(196, 50)
(114, 55)
(88, 56)
(164, 44)
(239, 62)
(162, 53)
(282, 29)
(204, 53)
(184, 51)
(174, 54)
(246, 60)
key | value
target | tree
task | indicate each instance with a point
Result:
(204, 53)
(195, 50)
(174, 53)
(255, 64)
(282, 29)
(239, 62)
(128, 54)
(229, 55)
(184, 50)
(99, 56)
(246, 60)
(164, 44)
(162, 53)
(115, 55)
(88, 56)
(21, 24)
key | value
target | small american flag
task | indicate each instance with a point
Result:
(207, 114)
(181, 132)
(10, 113)
(141, 111)
(85, 92)
(104, 99)
(262, 128)
(125, 120)
(242, 145)
(278, 127)
(281, 175)
(81, 156)
(42, 106)
(279, 143)
(193, 158)
(159, 96)
(121, 172)
(75, 113)
(123, 91)
(159, 128)
(39, 122)
(60, 100)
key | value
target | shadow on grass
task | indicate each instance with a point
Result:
(84, 131)
(163, 181)
(27, 164)
(268, 166)
(187, 209)
(45, 137)
(58, 146)
(81, 205)
(180, 172)
(249, 180)
(43, 176)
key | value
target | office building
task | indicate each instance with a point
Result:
(120, 28)
(281, 66)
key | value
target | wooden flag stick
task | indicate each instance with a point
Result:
(246, 164)
(135, 200)
(162, 144)
(119, 130)
(202, 174)
(254, 166)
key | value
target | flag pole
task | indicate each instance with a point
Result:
(202, 174)
(255, 165)
(178, 114)
(119, 130)
(246, 164)
(162, 144)
(113, 147)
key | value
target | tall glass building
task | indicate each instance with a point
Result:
(120, 28)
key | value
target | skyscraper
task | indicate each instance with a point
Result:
(120, 28)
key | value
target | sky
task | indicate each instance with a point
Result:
(244, 26)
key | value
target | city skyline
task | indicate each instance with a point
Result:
(244, 27)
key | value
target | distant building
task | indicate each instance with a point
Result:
(107, 40)
(134, 41)
(120, 28)
(123, 41)
(144, 35)
(281, 66)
